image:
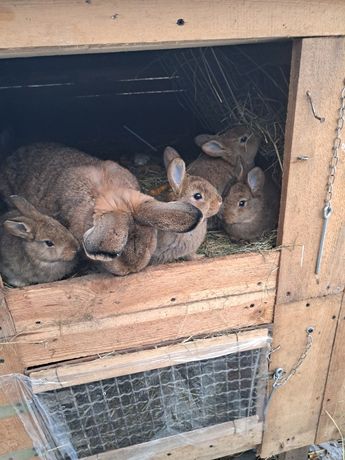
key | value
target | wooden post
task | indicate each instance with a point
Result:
(304, 299)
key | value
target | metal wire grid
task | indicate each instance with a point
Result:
(131, 409)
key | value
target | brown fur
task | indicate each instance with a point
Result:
(25, 258)
(171, 245)
(99, 201)
(220, 155)
(260, 213)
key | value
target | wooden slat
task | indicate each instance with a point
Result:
(40, 28)
(318, 66)
(11, 436)
(334, 398)
(203, 444)
(69, 374)
(293, 411)
(96, 314)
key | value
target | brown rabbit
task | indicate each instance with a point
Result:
(220, 155)
(34, 248)
(250, 207)
(99, 201)
(186, 189)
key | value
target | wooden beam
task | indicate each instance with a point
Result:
(333, 407)
(96, 314)
(69, 374)
(41, 28)
(318, 66)
(203, 444)
(293, 411)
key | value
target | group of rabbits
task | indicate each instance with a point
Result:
(66, 206)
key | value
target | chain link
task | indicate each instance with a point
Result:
(280, 377)
(335, 151)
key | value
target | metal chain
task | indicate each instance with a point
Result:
(335, 153)
(280, 377)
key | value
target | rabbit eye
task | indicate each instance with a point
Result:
(197, 196)
(243, 139)
(49, 243)
(242, 203)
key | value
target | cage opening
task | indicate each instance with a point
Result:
(128, 106)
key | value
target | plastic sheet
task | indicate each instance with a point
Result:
(199, 385)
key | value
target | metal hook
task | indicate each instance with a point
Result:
(321, 119)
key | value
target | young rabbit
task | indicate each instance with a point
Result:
(250, 207)
(34, 248)
(186, 189)
(98, 201)
(220, 154)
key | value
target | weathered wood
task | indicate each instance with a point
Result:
(96, 314)
(69, 374)
(293, 411)
(203, 444)
(333, 406)
(318, 66)
(40, 27)
(12, 433)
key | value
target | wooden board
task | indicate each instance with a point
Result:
(12, 433)
(334, 397)
(40, 28)
(318, 66)
(69, 374)
(293, 411)
(96, 314)
(203, 444)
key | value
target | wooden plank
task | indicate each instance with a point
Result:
(318, 66)
(334, 397)
(293, 412)
(203, 444)
(69, 374)
(12, 433)
(164, 303)
(40, 28)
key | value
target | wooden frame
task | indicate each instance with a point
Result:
(40, 28)
(202, 302)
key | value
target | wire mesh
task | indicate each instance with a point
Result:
(127, 410)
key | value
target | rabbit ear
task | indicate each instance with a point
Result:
(239, 171)
(19, 228)
(214, 148)
(26, 208)
(169, 155)
(176, 175)
(201, 139)
(107, 238)
(256, 180)
(175, 216)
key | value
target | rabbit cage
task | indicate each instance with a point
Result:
(194, 359)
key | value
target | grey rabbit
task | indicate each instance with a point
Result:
(186, 189)
(98, 201)
(34, 248)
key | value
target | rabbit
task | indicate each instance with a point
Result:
(220, 153)
(34, 248)
(250, 207)
(98, 201)
(186, 189)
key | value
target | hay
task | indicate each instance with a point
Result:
(218, 244)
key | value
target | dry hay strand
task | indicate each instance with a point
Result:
(218, 244)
